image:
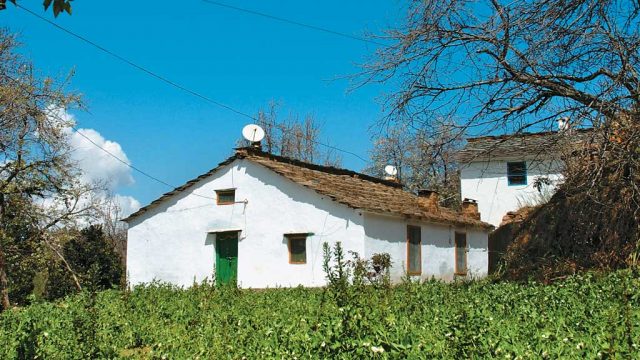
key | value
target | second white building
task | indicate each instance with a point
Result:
(507, 172)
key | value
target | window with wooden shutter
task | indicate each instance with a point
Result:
(414, 256)
(297, 248)
(461, 253)
(226, 196)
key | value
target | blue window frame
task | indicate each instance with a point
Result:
(517, 173)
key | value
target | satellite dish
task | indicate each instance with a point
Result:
(391, 170)
(253, 133)
(563, 124)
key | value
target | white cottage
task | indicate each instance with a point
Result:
(501, 172)
(261, 220)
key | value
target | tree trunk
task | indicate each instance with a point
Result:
(4, 282)
(65, 262)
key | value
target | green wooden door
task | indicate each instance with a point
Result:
(226, 258)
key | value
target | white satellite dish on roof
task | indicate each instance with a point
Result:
(563, 124)
(391, 170)
(253, 133)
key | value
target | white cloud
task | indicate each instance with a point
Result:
(96, 165)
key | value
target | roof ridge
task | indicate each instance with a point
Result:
(521, 145)
(312, 166)
(525, 134)
(350, 188)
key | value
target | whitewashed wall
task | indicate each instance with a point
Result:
(389, 235)
(486, 182)
(170, 243)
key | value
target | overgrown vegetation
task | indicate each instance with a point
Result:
(593, 221)
(92, 257)
(587, 316)
(37, 273)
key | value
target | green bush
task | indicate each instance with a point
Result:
(590, 316)
(92, 256)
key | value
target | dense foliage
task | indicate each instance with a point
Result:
(590, 316)
(21, 250)
(36, 271)
(40, 188)
(91, 255)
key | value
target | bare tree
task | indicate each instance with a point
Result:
(424, 160)
(37, 180)
(293, 138)
(512, 66)
(109, 214)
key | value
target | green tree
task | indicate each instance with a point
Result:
(39, 189)
(22, 253)
(92, 255)
(58, 5)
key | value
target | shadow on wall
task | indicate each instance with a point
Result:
(165, 202)
(301, 194)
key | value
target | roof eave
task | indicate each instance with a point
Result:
(472, 223)
(180, 188)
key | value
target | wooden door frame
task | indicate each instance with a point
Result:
(466, 257)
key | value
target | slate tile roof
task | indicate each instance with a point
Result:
(536, 145)
(356, 190)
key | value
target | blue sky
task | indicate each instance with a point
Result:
(239, 59)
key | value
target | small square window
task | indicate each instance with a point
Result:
(517, 173)
(226, 197)
(297, 248)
